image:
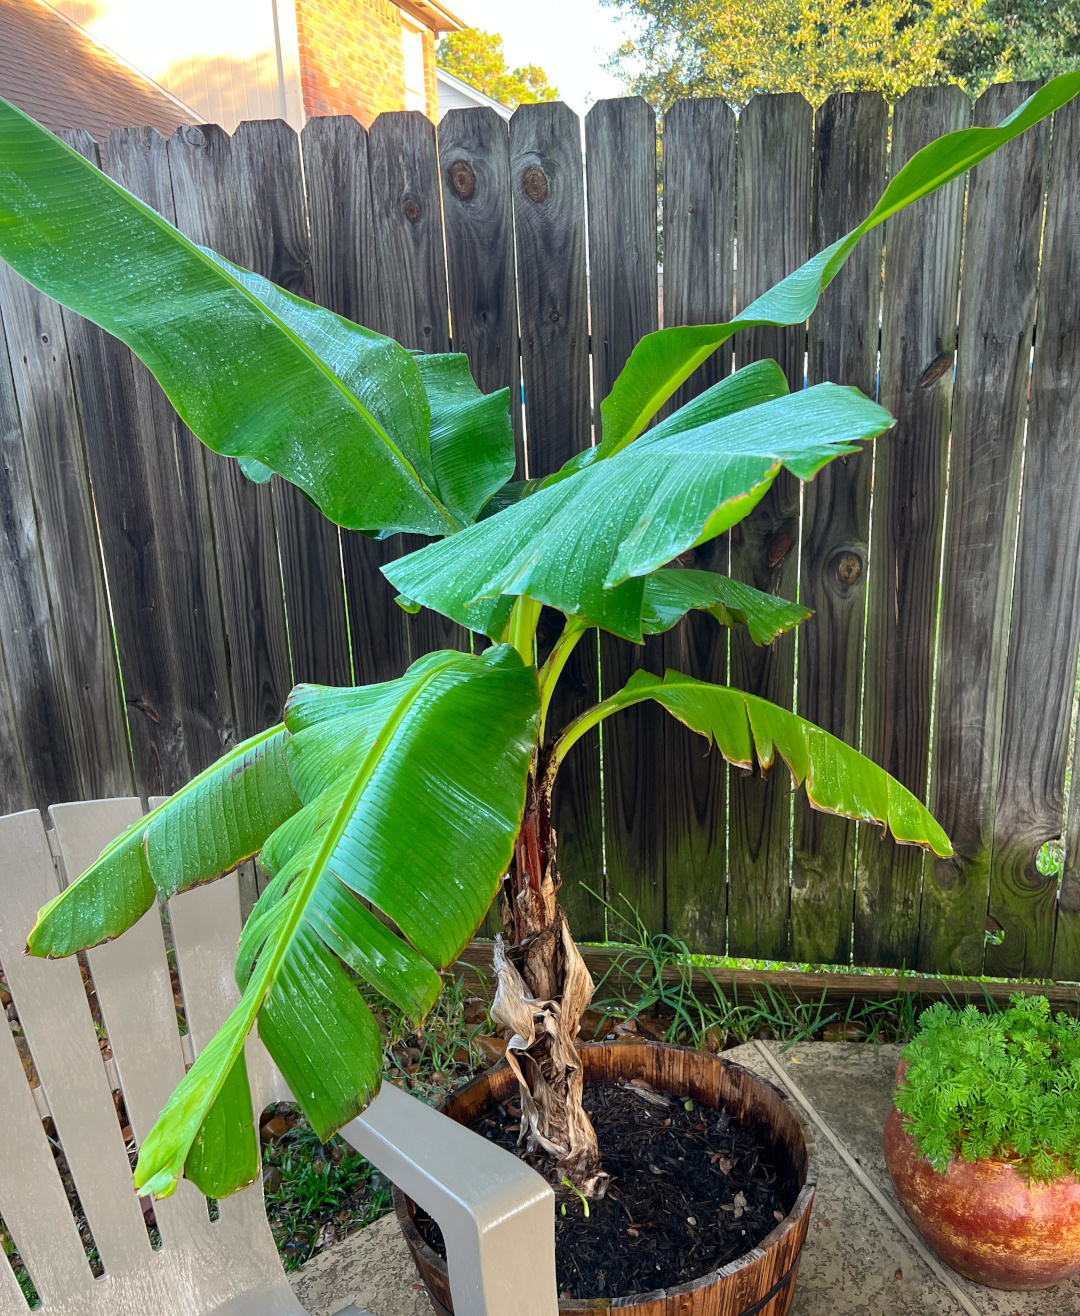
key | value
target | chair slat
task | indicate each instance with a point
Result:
(206, 928)
(32, 1199)
(134, 989)
(56, 1019)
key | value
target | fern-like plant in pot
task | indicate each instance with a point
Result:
(428, 796)
(983, 1141)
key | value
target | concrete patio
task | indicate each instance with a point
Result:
(856, 1262)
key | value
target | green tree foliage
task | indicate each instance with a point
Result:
(476, 57)
(736, 49)
(1021, 39)
(1002, 1085)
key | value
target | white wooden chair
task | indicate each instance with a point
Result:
(497, 1215)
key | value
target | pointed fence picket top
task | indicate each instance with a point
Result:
(155, 606)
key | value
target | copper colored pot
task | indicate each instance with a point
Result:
(982, 1218)
(760, 1283)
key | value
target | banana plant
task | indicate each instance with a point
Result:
(388, 817)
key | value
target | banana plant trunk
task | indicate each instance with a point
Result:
(543, 988)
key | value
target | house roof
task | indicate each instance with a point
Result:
(54, 70)
(455, 94)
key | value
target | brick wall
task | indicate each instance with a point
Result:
(351, 58)
(430, 85)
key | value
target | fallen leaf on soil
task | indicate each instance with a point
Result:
(713, 1039)
(849, 1032)
(724, 1164)
(492, 1049)
(739, 1202)
(648, 1093)
(23, 1048)
(778, 1215)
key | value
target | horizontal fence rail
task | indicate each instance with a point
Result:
(155, 606)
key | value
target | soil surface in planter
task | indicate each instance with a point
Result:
(690, 1191)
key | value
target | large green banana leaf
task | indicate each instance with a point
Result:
(663, 360)
(761, 381)
(412, 793)
(584, 543)
(219, 819)
(743, 727)
(672, 592)
(256, 373)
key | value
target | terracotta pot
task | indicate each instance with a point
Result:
(760, 1283)
(982, 1218)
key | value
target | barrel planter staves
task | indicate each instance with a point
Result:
(759, 1283)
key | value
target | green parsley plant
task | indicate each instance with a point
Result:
(1003, 1086)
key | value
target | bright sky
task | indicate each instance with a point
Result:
(569, 39)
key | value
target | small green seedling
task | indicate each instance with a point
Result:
(566, 1183)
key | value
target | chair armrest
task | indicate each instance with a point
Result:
(496, 1214)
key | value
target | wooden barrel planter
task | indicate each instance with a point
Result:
(760, 1283)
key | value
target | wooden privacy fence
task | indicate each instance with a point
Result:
(155, 606)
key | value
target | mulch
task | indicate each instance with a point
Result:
(691, 1190)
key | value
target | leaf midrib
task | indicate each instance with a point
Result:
(306, 887)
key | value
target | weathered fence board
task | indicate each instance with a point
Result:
(404, 163)
(271, 232)
(620, 154)
(345, 281)
(775, 138)
(33, 668)
(548, 189)
(547, 181)
(699, 274)
(1001, 262)
(154, 521)
(74, 637)
(474, 155)
(14, 785)
(410, 259)
(1045, 620)
(1067, 934)
(850, 154)
(918, 343)
(243, 517)
(223, 592)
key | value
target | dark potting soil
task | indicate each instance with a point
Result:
(690, 1191)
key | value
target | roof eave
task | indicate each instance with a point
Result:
(434, 15)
